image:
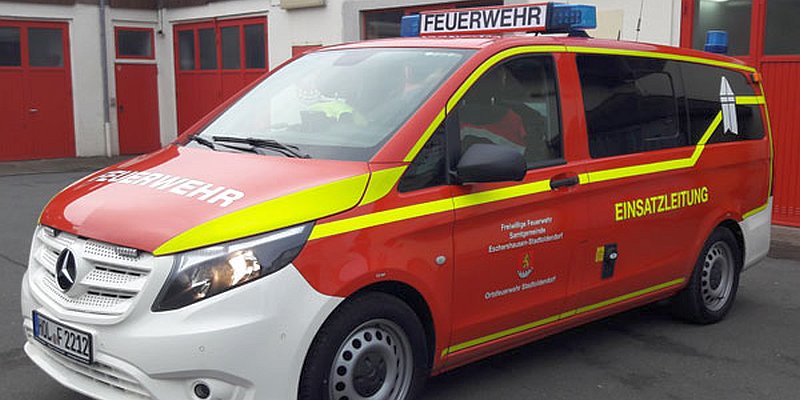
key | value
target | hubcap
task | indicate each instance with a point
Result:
(716, 281)
(374, 362)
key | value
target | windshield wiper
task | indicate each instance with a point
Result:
(203, 141)
(270, 144)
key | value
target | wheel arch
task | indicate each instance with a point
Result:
(414, 299)
(734, 227)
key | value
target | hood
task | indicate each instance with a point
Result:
(181, 198)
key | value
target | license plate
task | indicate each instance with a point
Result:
(73, 343)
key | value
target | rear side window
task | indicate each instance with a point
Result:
(636, 104)
(632, 104)
(703, 85)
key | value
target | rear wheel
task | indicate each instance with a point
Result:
(373, 347)
(714, 282)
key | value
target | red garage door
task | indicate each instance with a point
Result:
(36, 97)
(214, 60)
(763, 33)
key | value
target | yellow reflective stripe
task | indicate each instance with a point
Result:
(629, 296)
(381, 183)
(771, 146)
(746, 100)
(380, 218)
(292, 209)
(709, 131)
(423, 209)
(660, 166)
(636, 170)
(663, 56)
(554, 318)
(755, 211)
(425, 136)
(490, 196)
(502, 334)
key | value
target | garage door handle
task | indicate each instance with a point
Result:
(557, 183)
(33, 110)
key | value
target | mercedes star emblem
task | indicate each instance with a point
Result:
(65, 270)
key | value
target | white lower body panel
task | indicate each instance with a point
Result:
(757, 230)
(248, 343)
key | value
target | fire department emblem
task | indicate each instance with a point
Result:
(526, 267)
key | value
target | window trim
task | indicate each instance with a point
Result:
(152, 35)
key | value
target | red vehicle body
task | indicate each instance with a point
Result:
(486, 266)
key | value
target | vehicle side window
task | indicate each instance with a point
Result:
(515, 104)
(632, 104)
(703, 93)
(428, 168)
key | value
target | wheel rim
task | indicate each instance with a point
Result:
(374, 362)
(716, 282)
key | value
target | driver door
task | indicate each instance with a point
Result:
(514, 241)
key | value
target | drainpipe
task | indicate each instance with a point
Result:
(160, 10)
(104, 69)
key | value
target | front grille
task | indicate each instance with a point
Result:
(114, 278)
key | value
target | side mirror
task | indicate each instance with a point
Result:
(484, 162)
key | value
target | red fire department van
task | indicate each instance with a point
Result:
(376, 212)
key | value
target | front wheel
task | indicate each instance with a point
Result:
(714, 282)
(373, 347)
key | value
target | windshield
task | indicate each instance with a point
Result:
(340, 105)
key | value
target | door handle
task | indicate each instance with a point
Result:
(557, 182)
(33, 110)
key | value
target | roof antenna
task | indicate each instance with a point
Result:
(639, 23)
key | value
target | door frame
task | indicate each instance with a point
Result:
(136, 60)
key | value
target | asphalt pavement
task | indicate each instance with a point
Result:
(641, 354)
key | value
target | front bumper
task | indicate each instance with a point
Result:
(245, 344)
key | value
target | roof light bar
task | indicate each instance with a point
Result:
(542, 17)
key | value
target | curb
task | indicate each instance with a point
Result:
(785, 242)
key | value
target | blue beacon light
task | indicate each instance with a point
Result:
(717, 42)
(409, 25)
(566, 18)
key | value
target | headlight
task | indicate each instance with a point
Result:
(202, 273)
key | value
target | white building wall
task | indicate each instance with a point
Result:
(338, 21)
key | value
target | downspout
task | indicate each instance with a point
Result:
(104, 70)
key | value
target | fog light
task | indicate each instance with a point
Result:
(202, 390)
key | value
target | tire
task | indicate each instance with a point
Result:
(373, 346)
(712, 288)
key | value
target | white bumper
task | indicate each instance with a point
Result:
(248, 343)
(757, 230)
